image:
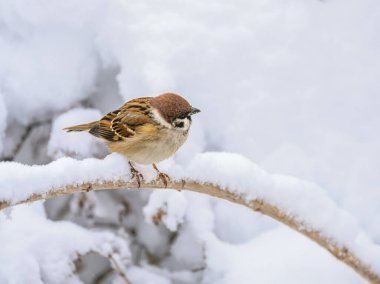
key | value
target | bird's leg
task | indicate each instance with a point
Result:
(136, 174)
(164, 177)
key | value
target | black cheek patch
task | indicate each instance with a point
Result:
(179, 124)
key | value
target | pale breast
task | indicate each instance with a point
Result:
(150, 148)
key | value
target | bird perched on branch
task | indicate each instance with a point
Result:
(146, 130)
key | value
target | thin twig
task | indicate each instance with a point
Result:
(115, 265)
(118, 269)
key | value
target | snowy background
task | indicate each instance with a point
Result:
(292, 85)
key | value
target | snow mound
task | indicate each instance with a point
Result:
(46, 71)
(168, 207)
(277, 256)
(38, 250)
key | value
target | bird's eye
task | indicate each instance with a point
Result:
(182, 116)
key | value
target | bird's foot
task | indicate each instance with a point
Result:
(136, 174)
(162, 176)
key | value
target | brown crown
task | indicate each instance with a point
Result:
(170, 106)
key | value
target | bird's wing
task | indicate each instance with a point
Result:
(122, 123)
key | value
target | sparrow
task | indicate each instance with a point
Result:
(146, 130)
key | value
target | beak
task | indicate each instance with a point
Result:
(194, 111)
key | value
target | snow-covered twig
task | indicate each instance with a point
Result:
(300, 205)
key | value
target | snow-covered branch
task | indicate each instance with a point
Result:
(300, 205)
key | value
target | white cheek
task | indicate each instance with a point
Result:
(160, 120)
(186, 125)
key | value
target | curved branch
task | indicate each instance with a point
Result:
(341, 253)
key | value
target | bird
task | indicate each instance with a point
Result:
(146, 130)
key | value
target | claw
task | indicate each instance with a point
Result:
(136, 174)
(162, 176)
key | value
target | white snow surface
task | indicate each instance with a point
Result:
(172, 204)
(20, 181)
(302, 200)
(276, 256)
(77, 144)
(37, 250)
(3, 121)
(43, 70)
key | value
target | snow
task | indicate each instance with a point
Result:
(37, 179)
(3, 121)
(140, 275)
(242, 229)
(290, 85)
(304, 201)
(287, 256)
(41, 251)
(45, 70)
(77, 144)
(173, 204)
(188, 248)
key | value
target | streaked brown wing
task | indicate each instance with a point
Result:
(121, 123)
(103, 128)
(132, 114)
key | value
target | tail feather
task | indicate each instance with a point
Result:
(81, 127)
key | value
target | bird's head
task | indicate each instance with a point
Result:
(172, 111)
